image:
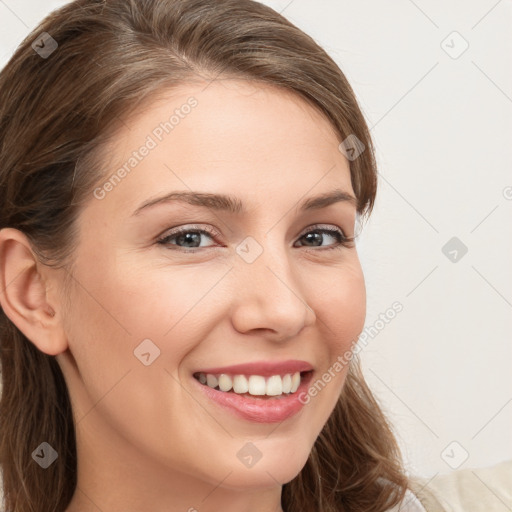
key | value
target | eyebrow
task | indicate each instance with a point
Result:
(223, 202)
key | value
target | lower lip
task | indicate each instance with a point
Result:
(259, 410)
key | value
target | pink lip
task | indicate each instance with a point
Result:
(263, 368)
(258, 410)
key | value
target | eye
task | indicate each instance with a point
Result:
(319, 234)
(187, 235)
(190, 237)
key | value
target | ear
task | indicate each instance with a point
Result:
(25, 286)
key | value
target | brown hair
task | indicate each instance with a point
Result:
(58, 113)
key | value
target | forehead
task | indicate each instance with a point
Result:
(234, 109)
(230, 136)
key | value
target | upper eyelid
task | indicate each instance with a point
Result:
(186, 228)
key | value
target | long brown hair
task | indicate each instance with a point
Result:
(57, 112)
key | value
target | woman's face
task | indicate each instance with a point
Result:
(150, 311)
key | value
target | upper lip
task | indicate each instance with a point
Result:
(263, 368)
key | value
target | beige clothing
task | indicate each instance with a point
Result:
(466, 490)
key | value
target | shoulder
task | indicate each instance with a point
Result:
(478, 490)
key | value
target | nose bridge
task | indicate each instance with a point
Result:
(270, 296)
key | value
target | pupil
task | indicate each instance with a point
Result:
(188, 237)
(317, 235)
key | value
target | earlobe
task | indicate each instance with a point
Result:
(24, 293)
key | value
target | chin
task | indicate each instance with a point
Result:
(260, 479)
(277, 467)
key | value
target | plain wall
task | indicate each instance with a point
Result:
(441, 120)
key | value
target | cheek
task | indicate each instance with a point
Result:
(340, 306)
(116, 309)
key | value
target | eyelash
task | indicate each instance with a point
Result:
(343, 241)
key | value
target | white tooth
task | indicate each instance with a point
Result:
(202, 378)
(225, 382)
(287, 383)
(274, 385)
(240, 384)
(295, 382)
(211, 380)
(257, 385)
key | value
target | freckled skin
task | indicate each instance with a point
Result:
(147, 439)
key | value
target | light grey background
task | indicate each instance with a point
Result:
(442, 124)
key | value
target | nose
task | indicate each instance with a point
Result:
(268, 298)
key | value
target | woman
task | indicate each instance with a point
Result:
(181, 292)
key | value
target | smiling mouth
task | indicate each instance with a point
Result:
(255, 386)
